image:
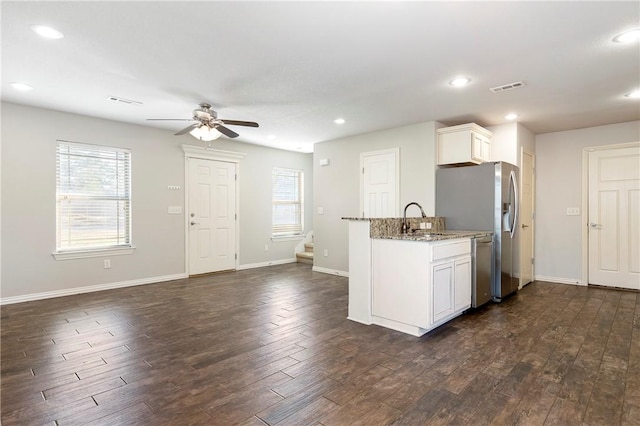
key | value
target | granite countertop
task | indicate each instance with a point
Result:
(424, 235)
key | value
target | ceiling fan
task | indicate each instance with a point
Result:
(207, 120)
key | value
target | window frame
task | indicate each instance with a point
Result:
(294, 234)
(100, 151)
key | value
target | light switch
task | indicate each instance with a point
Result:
(173, 187)
(573, 211)
(320, 210)
(175, 210)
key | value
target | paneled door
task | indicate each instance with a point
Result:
(614, 217)
(211, 216)
(379, 184)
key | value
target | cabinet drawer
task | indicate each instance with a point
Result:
(444, 251)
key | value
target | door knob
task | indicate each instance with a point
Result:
(595, 225)
(524, 226)
(195, 223)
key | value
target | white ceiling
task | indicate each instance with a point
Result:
(296, 66)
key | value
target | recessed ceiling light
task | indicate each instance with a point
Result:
(339, 121)
(460, 81)
(511, 116)
(46, 32)
(271, 137)
(21, 86)
(633, 95)
(628, 36)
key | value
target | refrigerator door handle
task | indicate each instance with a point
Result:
(514, 202)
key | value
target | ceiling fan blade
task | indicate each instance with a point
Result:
(187, 129)
(227, 132)
(240, 123)
(170, 119)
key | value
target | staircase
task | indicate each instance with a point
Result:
(306, 256)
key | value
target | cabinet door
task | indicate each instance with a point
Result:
(442, 291)
(477, 142)
(400, 281)
(486, 150)
(462, 283)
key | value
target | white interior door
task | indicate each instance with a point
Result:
(526, 219)
(614, 217)
(380, 182)
(212, 216)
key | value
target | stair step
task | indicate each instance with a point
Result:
(308, 247)
(304, 257)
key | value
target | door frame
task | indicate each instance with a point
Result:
(191, 151)
(533, 213)
(396, 153)
(585, 201)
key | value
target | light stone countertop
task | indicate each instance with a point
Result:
(428, 236)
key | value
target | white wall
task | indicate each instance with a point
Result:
(28, 202)
(337, 186)
(558, 186)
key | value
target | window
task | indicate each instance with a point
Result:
(287, 202)
(93, 197)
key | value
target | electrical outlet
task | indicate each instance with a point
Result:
(326, 253)
(429, 225)
(266, 247)
(107, 263)
(423, 225)
(320, 210)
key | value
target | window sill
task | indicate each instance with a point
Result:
(283, 238)
(82, 254)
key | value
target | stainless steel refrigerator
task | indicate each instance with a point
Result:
(485, 198)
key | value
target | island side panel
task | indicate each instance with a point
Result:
(359, 272)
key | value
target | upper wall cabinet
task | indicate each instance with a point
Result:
(466, 143)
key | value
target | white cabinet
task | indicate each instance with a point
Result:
(466, 143)
(418, 286)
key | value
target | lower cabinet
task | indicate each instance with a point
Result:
(420, 285)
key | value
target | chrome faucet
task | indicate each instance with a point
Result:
(405, 227)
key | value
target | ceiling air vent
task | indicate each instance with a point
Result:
(124, 101)
(509, 86)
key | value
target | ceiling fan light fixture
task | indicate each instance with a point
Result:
(205, 133)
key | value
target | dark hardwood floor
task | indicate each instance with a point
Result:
(273, 346)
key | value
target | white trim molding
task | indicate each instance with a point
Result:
(559, 280)
(82, 254)
(212, 154)
(89, 289)
(263, 264)
(330, 271)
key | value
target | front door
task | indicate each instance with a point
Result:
(380, 180)
(614, 217)
(211, 216)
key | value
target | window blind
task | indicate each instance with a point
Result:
(93, 196)
(287, 202)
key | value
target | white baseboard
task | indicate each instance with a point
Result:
(263, 264)
(89, 289)
(559, 280)
(330, 271)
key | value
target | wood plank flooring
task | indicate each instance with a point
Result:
(273, 346)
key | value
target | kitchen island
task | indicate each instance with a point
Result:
(410, 282)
